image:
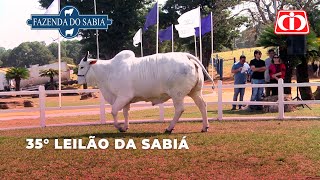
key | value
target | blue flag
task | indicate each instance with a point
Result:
(205, 25)
(151, 18)
(165, 34)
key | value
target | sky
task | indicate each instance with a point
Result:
(14, 29)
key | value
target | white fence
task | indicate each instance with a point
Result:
(220, 102)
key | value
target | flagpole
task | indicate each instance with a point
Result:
(211, 33)
(200, 41)
(141, 42)
(161, 106)
(97, 32)
(195, 45)
(211, 43)
(59, 61)
(172, 37)
(157, 50)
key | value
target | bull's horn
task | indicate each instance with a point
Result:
(86, 57)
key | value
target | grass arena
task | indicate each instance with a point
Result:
(67, 96)
(248, 149)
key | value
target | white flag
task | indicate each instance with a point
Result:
(53, 8)
(185, 31)
(137, 38)
(191, 18)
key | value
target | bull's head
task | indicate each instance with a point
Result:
(84, 67)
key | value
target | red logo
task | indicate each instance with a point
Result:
(292, 22)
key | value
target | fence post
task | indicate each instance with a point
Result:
(220, 108)
(102, 109)
(221, 69)
(161, 112)
(42, 105)
(218, 66)
(280, 99)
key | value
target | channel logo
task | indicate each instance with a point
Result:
(292, 22)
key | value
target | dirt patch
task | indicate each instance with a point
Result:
(274, 108)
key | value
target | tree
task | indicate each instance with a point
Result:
(269, 39)
(17, 73)
(300, 62)
(224, 25)
(29, 53)
(50, 73)
(127, 16)
(2, 51)
(53, 48)
(73, 50)
(4, 54)
(69, 49)
(263, 12)
(314, 20)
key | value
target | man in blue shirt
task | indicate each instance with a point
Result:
(240, 77)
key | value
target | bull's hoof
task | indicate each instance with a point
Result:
(168, 131)
(205, 130)
(122, 129)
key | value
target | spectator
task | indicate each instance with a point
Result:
(240, 77)
(277, 70)
(258, 67)
(266, 73)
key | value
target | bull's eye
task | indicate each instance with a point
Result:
(81, 67)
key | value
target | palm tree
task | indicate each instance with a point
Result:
(49, 73)
(269, 39)
(17, 73)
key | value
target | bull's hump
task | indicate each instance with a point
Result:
(125, 54)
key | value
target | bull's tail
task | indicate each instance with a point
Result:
(197, 61)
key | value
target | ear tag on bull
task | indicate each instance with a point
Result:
(93, 62)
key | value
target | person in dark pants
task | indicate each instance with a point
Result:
(271, 53)
(240, 77)
(277, 70)
(258, 67)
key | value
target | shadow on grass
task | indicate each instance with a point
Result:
(239, 112)
(119, 135)
(108, 135)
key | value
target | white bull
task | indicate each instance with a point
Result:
(126, 79)
(69, 32)
(68, 12)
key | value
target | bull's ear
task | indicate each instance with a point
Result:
(93, 61)
(86, 57)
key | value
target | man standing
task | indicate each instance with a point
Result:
(266, 73)
(258, 68)
(240, 77)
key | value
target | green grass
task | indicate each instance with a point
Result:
(153, 114)
(246, 150)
